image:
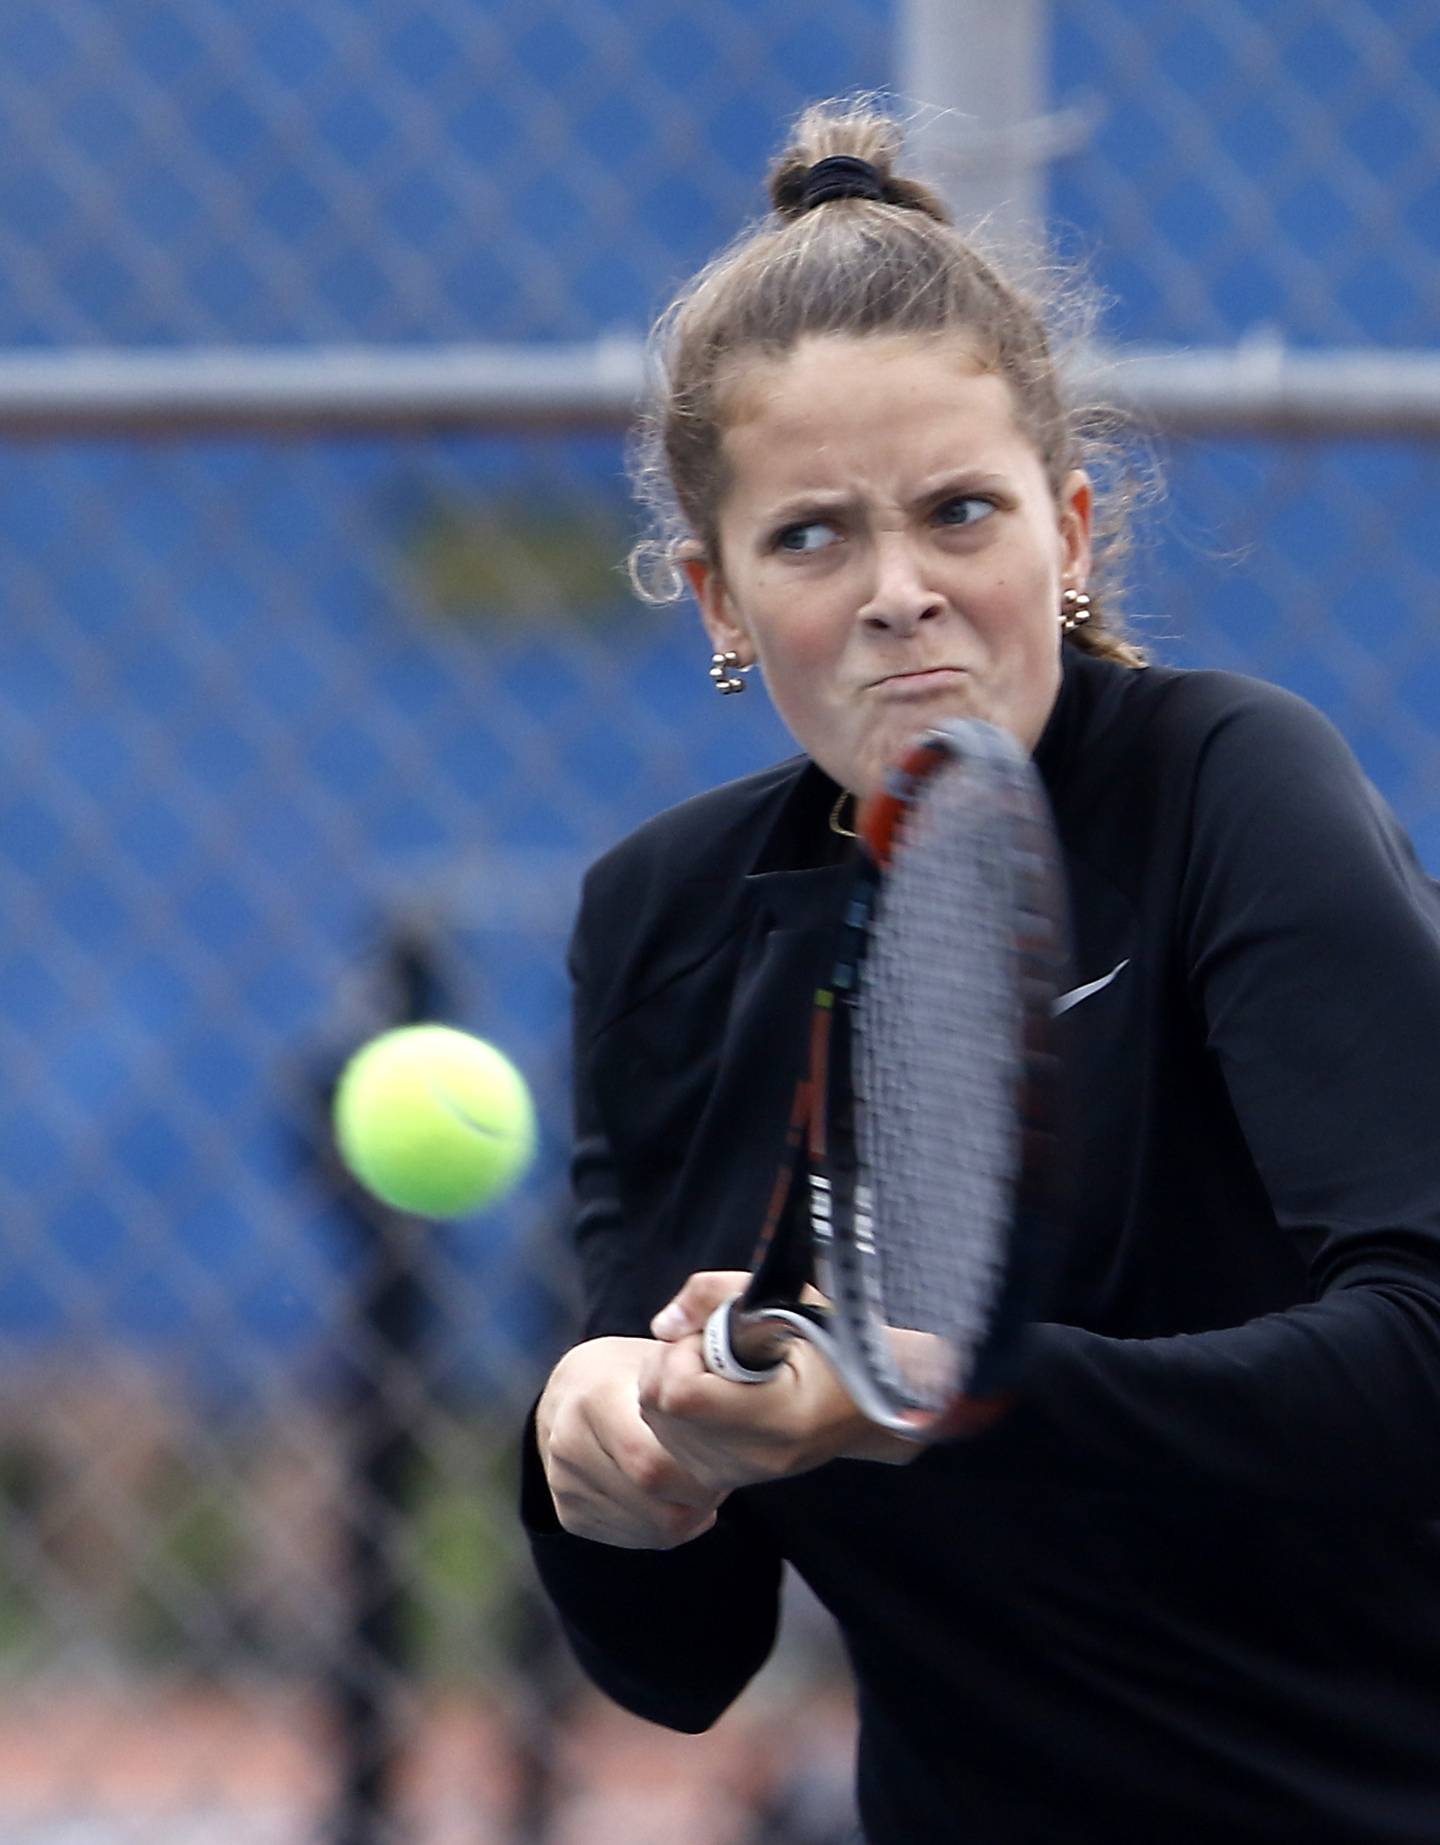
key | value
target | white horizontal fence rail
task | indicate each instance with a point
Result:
(1261, 386)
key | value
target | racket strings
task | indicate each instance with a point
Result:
(937, 1073)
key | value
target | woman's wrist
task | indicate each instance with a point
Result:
(870, 1442)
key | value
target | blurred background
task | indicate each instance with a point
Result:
(320, 683)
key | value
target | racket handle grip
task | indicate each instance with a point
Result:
(722, 1330)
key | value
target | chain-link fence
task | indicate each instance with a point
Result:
(305, 733)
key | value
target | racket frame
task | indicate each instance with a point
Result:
(746, 1338)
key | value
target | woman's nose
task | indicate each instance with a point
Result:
(900, 597)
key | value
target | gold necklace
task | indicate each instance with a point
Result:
(845, 832)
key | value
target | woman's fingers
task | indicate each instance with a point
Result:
(737, 1434)
(610, 1477)
(688, 1311)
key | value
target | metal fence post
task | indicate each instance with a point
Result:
(384, 1385)
(980, 73)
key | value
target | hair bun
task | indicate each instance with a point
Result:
(846, 151)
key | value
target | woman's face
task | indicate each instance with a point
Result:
(890, 550)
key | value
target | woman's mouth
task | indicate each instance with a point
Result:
(922, 679)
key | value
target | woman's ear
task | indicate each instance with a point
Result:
(716, 609)
(1077, 513)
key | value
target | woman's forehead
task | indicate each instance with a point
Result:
(822, 411)
(826, 365)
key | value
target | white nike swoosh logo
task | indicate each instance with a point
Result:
(1076, 994)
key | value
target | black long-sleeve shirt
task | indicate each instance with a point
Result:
(1190, 1588)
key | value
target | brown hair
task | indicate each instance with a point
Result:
(855, 266)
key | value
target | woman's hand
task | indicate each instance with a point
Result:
(728, 1435)
(610, 1476)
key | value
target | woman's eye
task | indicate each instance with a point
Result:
(813, 536)
(965, 510)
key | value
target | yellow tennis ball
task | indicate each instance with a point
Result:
(434, 1121)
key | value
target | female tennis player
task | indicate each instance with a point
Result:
(1187, 1585)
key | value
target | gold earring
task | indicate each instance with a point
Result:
(1074, 610)
(723, 674)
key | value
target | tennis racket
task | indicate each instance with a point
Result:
(926, 1124)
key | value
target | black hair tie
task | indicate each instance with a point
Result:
(840, 176)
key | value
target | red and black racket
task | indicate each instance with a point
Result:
(927, 1121)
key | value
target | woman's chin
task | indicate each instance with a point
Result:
(903, 731)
